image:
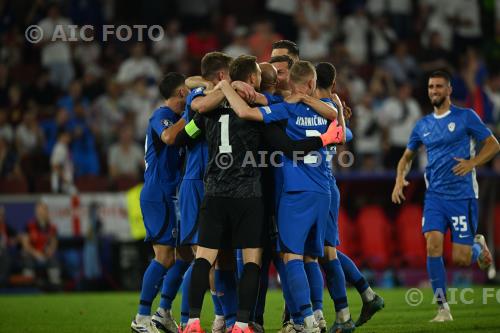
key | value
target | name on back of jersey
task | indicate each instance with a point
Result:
(310, 121)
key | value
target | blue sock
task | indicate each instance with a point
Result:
(217, 304)
(297, 281)
(172, 282)
(225, 284)
(315, 279)
(437, 275)
(150, 285)
(335, 281)
(352, 273)
(476, 250)
(185, 295)
(287, 295)
(239, 263)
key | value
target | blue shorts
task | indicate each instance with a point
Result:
(191, 194)
(160, 221)
(460, 216)
(332, 225)
(302, 222)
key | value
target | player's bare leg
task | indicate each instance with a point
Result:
(437, 274)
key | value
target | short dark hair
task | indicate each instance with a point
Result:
(287, 44)
(170, 83)
(282, 58)
(442, 74)
(326, 73)
(213, 62)
(300, 71)
(242, 67)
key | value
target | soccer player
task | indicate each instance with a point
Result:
(305, 199)
(450, 135)
(286, 47)
(282, 63)
(161, 178)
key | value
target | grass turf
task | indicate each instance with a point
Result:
(112, 312)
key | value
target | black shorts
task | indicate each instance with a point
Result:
(236, 223)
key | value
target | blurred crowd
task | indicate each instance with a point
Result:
(80, 108)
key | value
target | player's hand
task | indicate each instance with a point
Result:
(219, 85)
(397, 194)
(463, 167)
(347, 111)
(246, 91)
(334, 134)
(295, 98)
(336, 100)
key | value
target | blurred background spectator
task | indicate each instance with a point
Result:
(383, 51)
(39, 244)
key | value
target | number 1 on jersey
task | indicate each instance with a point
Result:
(224, 147)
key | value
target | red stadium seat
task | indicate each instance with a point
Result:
(347, 231)
(14, 185)
(92, 184)
(410, 241)
(374, 237)
(126, 183)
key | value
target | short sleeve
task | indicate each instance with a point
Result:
(162, 120)
(414, 142)
(348, 134)
(475, 127)
(273, 99)
(274, 112)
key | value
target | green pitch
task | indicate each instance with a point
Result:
(112, 312)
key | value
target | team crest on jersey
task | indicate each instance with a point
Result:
(167, 122)
(451, 126)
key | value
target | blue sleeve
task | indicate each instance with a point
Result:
(274, 112)
(273, 99)
(188, 113)
(475, 127)
(348, 134)
(161, 120)
(414, 142)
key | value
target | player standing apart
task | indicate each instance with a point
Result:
(450, 135)
(161, 178)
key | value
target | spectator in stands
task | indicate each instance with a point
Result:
(434, 56)
(73, 98)
(201, 42)
(43, 92)
(382, 37)
(172, 47)
(108, 113)
(9, 162)
(5, 127)
(283, 15)
(61, 164)
(15, 104)
(316, 20)
(83, 149)
(138, 65)
(402, 65)
(125, 158)
(5, 240)
(29, 135)
(355, 28)
(51, 128)
(39, 244)
(56, 55)
(261, 40)
(5, 83)
(368, 140)
(397, 116)
(239, 44)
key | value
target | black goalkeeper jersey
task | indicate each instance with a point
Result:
(233, 145)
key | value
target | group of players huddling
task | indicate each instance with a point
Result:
(256, 186)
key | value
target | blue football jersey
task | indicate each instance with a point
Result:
(311, 174)
(197, 155)
(273, 99)
(453, 134)
(163, 162)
